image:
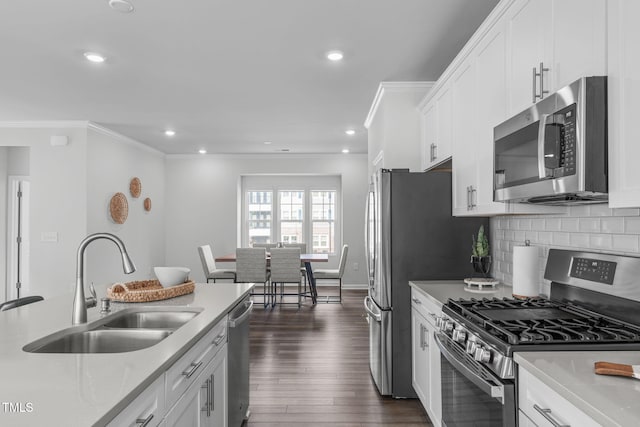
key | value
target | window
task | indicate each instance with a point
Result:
(323, 207)
(292, 209)
(259, 216)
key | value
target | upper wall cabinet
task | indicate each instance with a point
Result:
(551, 43)
(436, 127)
(393, 125)
(624, 108)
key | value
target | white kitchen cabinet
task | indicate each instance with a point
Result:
(436, 127)
(624, 109)
(425, 361)
(393, 124)
(148, 407)
(561, 39)
(545, 407)
(204, 404)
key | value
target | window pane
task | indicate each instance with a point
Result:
(291, 216)
(323, 207)
(259, 216)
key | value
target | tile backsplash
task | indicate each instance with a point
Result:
(595, 228)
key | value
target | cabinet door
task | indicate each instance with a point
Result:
(465, 140)
(442, 149)
(624, 109)
(528, 24)
(579, 41)
(420, 359)
(492, 94)
(216, 416)
(429, 124)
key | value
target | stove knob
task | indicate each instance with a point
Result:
(459, 336)
(482, 354)
(439, 322)
(471, 347)
(448, 326)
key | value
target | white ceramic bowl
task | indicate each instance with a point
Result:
(171, 276)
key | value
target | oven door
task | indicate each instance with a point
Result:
(472, 396)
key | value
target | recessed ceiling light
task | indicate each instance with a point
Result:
(335, 55)
(169, 132)
(267, 143)
(202, 151)
(350, 132)
(121, 6)
(345, 151)
(94, 57)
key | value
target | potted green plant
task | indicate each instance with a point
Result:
(480, 253)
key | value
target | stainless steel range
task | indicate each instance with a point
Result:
(594, 305)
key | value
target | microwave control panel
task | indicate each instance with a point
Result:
(560, 142)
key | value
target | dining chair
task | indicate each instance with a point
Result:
(334, 274)
(267, 246)
(303, 270)
(209, 266)
(251, 266)
(8, 305)
(285, 268)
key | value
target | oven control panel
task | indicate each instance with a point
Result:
(595, 270)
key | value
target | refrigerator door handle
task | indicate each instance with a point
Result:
(376, 316)
(366, 235)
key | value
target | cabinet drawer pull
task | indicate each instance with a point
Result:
(144, 422)
(533, 85)
(546, 413)
(416, 300)
(218, 339)
(194, 367)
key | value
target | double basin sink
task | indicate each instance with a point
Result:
(126, 330)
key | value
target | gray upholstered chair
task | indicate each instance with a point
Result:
(209, 266)
(285, 268)
(267, 246)
(334, 274)
(8, 305)
(303, 270)
(251, 267)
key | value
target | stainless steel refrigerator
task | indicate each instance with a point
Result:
(410, 235)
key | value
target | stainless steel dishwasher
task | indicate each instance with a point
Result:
(238, 346)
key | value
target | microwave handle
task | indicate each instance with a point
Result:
(542, 130)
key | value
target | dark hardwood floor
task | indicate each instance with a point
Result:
(310, 367)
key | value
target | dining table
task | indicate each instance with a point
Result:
(306, 259)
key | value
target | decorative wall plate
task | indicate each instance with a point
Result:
(135, 187)
(147, 204)
(119, 208)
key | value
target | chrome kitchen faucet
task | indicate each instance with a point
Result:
(80, 303)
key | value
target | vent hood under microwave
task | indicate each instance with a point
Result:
(555, 152)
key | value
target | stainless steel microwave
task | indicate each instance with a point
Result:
(555, 152)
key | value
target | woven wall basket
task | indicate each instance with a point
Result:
(147, 204)
(135, 187)
(119, 208)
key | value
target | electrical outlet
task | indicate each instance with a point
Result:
(355, 266)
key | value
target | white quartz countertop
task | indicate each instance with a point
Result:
(609, 400)
(90, 389)
(439, 291)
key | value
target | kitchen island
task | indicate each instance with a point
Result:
(91, 389)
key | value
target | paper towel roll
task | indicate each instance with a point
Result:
(525, 271)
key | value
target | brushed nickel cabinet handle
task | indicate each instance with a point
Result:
(144, 421)
(533, 86)
(546, 413)
(194, 367)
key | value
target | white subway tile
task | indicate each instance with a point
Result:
(513, 223)
(569, 224)
(589, 225)
(508, 235)
(626, 212)
(518, 236)
(552, 224)
(499, 234)
(601, 209)
(537, 224)
(579, 211)
(531, 236)
(632, 225)
(579, 240)
(612, 225)
(524, 224)
(545, 237)
(626, 243)
(600, 241)
(561, 239)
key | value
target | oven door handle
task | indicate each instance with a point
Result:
(494, 388)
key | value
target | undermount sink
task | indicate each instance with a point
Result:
(126, 330)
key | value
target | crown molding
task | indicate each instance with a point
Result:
(45, 124)
(123, 138)
(397, 87)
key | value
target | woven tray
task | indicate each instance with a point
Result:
(147, 290)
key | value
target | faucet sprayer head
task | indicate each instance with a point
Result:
(127, 264)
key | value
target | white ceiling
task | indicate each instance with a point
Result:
(227, 75)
